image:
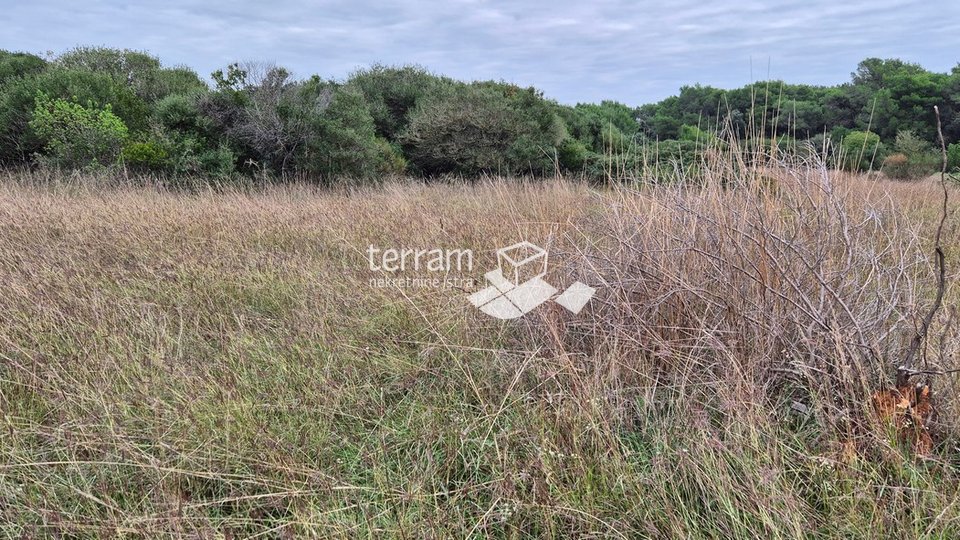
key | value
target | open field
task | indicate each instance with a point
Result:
(216, 364)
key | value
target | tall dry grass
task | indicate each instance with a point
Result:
(216, 364)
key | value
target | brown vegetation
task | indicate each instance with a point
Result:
(216, 363)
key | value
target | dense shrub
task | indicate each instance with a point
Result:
(77, 136)
(188, 138)
(385, 119)
(573, 154)
(149, 155)
(138, 71)
(696, 135)
(180, 112)
(176, 81)
(190, 154)
(861, 150)
(281, 125)
(18, 100)
(540, 130)
(920, 158)
(121, 64)
(462, 129)
(392, 92)
(897, 166)
(683, 156)
(17, 64)
(602, 128)
(390, 158)
(218, 161)
(487, 127)
(953, 157)
(267, 117)
(343, 138)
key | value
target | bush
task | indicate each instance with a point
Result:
(180, 112)
(666, 160)
(953, 157)
(390, 157)
(392, 92)
(176, 81)
(609, 126)
(861, 149)
(541, 130)
(15, 65)
(188, 138)
(897, 166)
(915, 158)
(484, 127)
(138, 71)
(267, 117)
(147, 155)
(572, 154)
(77, 136)
(18, 101)
(280, 125)
(343, 139)
(218, 161)
(465, 129)
(704, 138)
(682, 155)
(189, 153)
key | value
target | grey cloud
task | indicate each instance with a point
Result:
(634, 52)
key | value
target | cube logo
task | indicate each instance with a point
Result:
(517, 286)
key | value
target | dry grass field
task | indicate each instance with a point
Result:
(216, 364)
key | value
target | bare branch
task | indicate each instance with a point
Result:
(941, 260)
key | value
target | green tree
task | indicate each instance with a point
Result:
(893, 95)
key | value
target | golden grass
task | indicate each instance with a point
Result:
(216, 364)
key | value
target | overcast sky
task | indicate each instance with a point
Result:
(582, 50)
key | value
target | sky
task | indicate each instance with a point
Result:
(575, 51)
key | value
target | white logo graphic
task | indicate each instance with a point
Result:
(517, 286)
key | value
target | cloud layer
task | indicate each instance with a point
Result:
(634, 52)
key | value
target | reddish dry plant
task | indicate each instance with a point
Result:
(910, 411)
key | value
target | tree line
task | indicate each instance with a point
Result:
(95, 108)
